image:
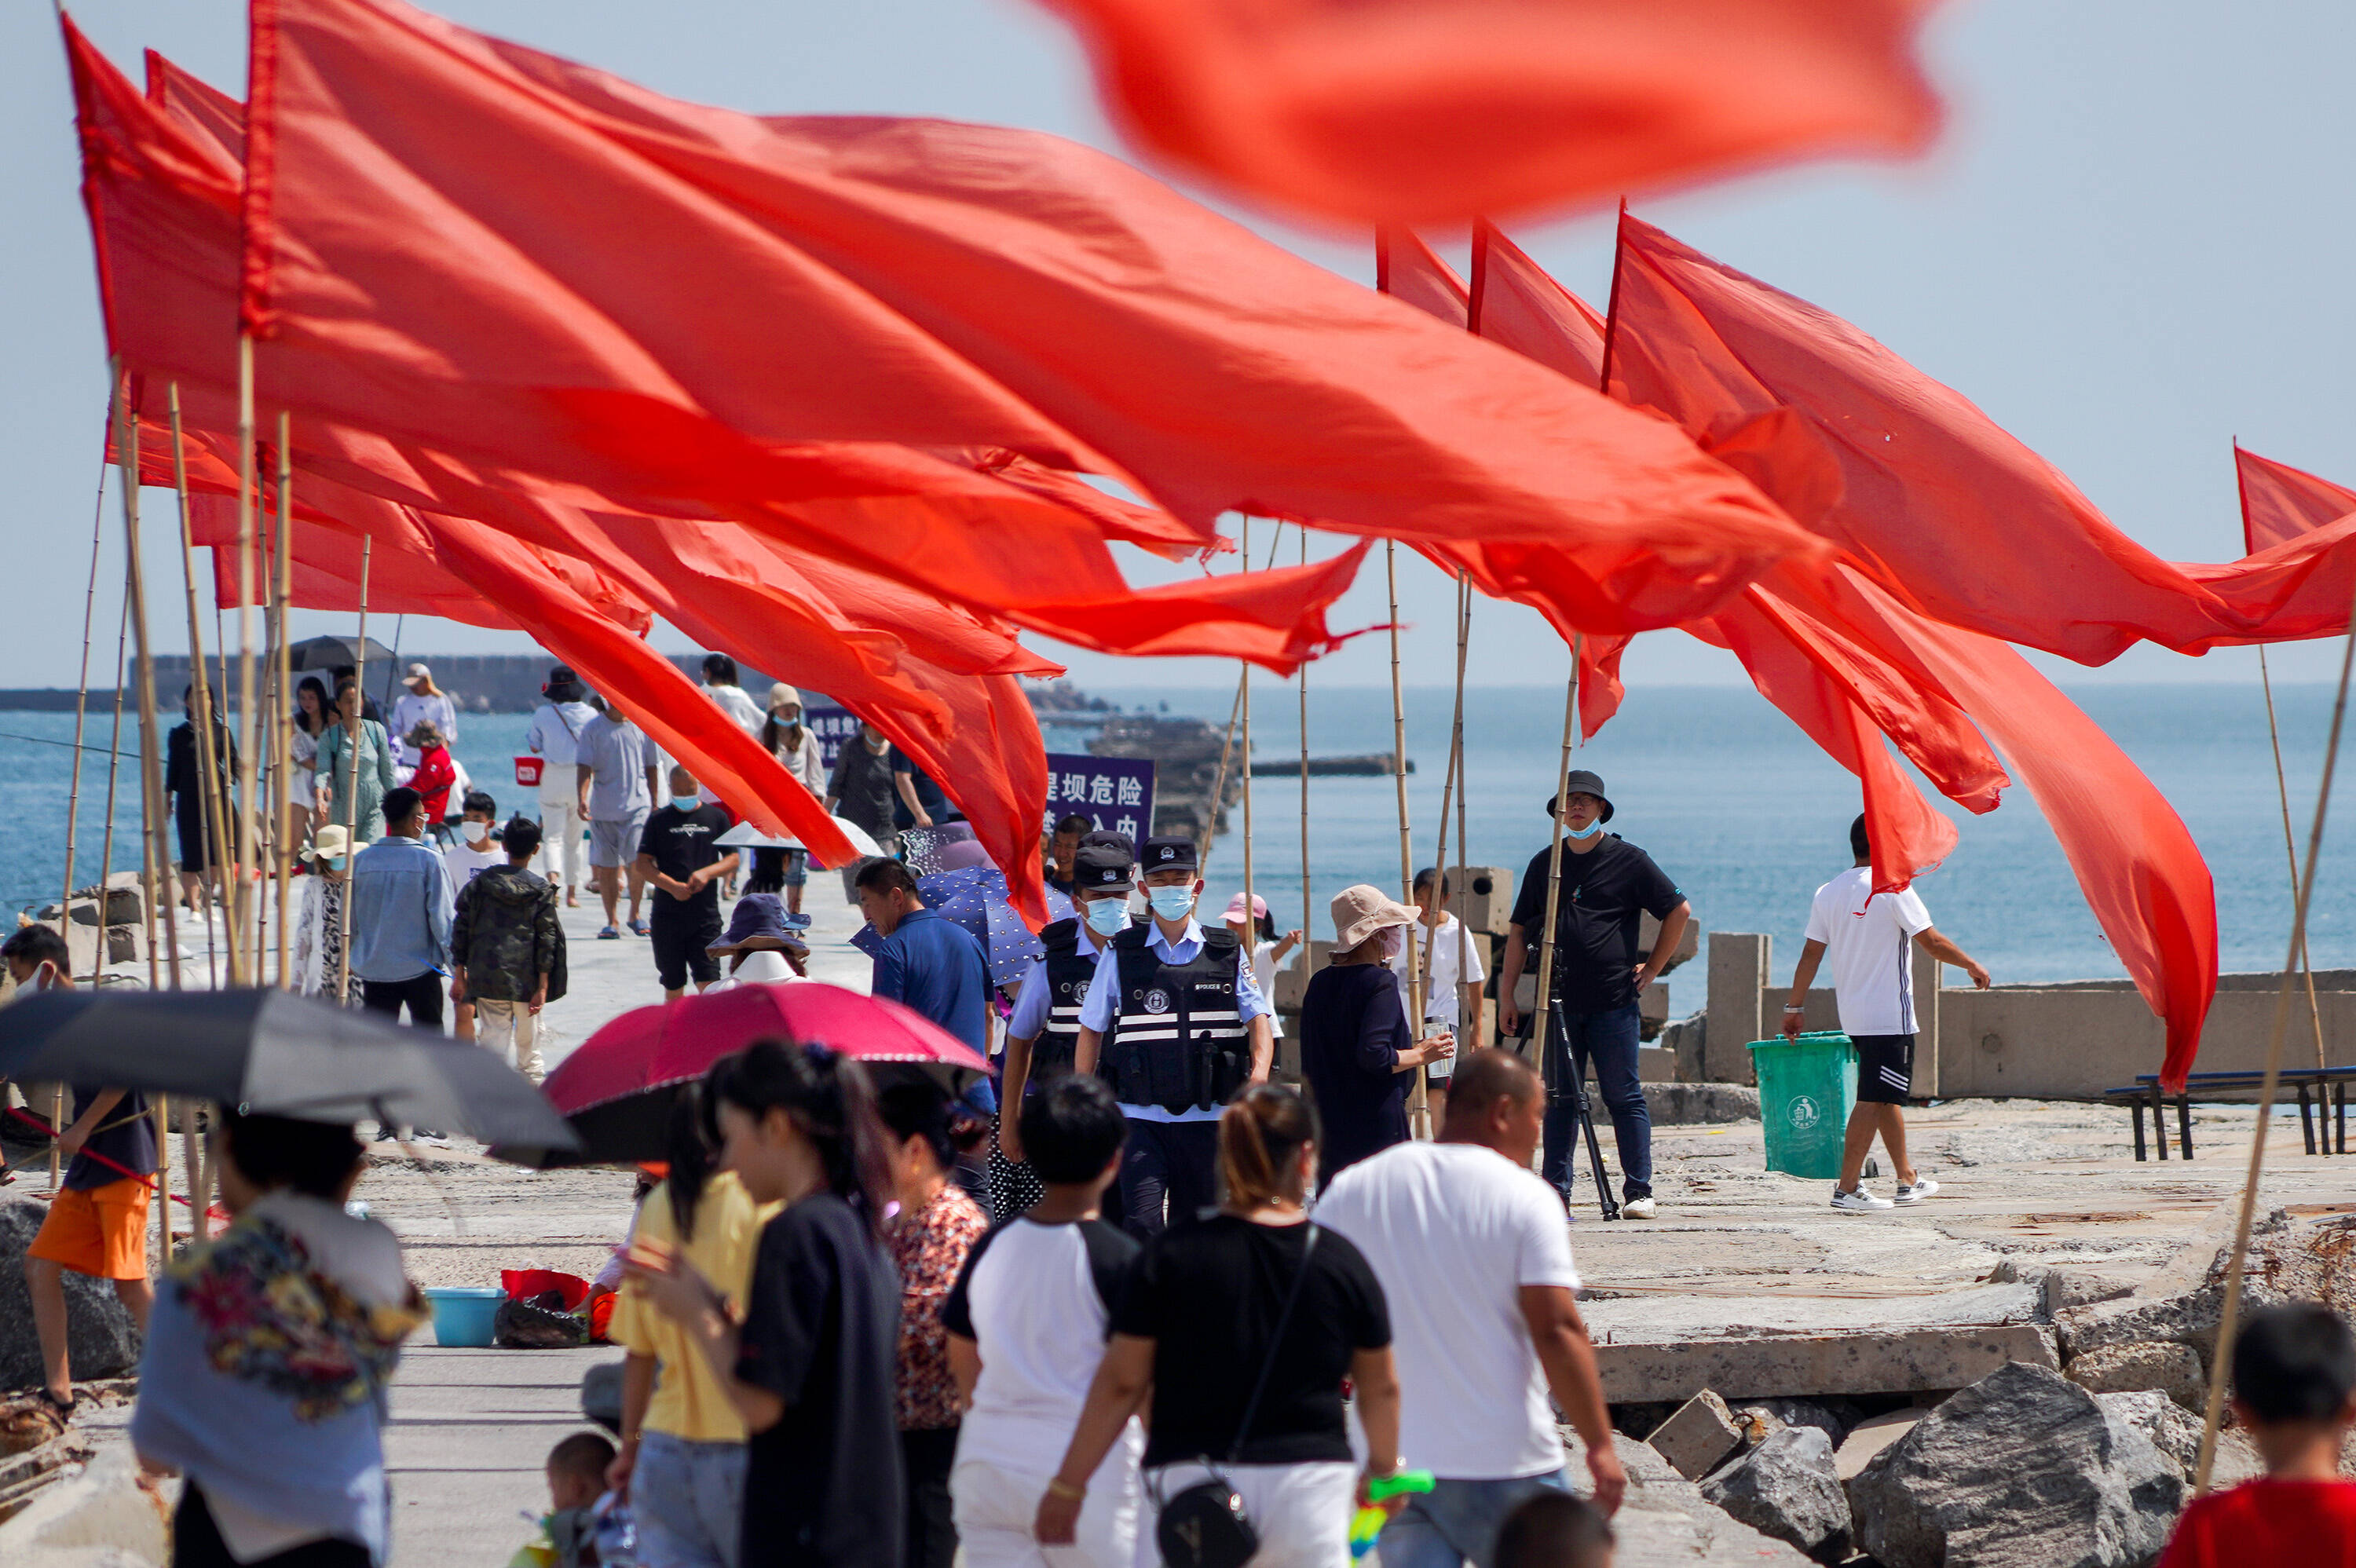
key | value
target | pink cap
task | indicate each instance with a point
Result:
(1236, 907)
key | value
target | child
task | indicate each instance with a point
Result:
(507, 949)
(1258, 935)
(576, 1498)
(2295, 1393)
(1554, 1529)
(1027, 1323)
(1444, 998)
(478, 848)
(436, 772)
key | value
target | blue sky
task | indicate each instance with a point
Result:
(2131, 246)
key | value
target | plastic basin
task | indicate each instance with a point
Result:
(463, 1315)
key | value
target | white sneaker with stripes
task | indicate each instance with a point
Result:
(1923, 1187)
(1860, 1202)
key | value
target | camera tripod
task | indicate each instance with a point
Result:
(1574, 1095)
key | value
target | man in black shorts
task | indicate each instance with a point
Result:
(1870, 937)
(680, 854)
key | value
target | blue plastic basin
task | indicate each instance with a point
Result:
(462, 1314)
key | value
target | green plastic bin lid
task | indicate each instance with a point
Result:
(1818, 1037)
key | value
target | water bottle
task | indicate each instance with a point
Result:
(617, 1536)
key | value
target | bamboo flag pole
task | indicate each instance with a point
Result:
(1243, 690)
(283, 584)
(1554, 866)
(1417, 1102)
(1448, 788)
(200, 713)
(248, 699)
(1308, 910)
(162, 888)
(1227, 748)
(353, 727)
(113, 769)
(82, 708)
(1464, 788)
(2220, 1360)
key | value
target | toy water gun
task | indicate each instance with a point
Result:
(1369, 1523)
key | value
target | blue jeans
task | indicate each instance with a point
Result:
(688, 1500)
(1609, 1040)
(1456, 1522)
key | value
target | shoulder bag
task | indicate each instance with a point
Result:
(1206, 1526)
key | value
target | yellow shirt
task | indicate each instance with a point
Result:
(689, 1400)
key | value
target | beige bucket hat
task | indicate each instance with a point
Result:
(331, 843)
(1361, 910)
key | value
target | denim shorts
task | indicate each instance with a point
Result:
(688, 1500)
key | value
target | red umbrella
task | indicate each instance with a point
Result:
(618, 1088)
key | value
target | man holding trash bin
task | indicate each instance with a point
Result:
(1868, 935)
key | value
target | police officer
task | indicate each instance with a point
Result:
(1044, 1032)
(1175, 1021)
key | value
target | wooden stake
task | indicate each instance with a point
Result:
(283, 585)
(353, 725)
(216, 808)
(2220, 1359)
(248, 699)
(1554, 866)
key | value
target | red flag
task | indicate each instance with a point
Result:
(1440, 111)
(2280, 504)
(1515, 303)
(562, 207)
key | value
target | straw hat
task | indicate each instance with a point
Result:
(1361, 910)
(331, 843)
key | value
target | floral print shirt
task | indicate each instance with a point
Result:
(929, 1246)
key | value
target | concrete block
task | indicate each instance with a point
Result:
(1702, 1436)
(1737, 973)
(1486, 901)
(1870, 1436)
(1761, 1366)
(1651, 1011)
(1692, 1105)
(2136, 1366)
(1924, 971)
(1785, 1487)
(1648, 932)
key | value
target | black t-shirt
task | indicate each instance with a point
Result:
(862, 785)
(1208, 1292)
(1605, 893)
(683, 840)
(125, 1135)
(822, 1329)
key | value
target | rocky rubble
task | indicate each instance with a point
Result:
(100, 1338)
(1785, 1487)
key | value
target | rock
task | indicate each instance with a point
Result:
(2173, 1430)
(2190, 1319)
(1702, 1436)
(1809, 1412)
(2023, 1467)
(1869, 1437)
(1666, 1519)
(1785, 1487)
(100, 1338)
(2135, 1365)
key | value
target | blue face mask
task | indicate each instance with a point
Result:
(1171, 903)
(1107, 916)
(1590, 831)
(335, 862)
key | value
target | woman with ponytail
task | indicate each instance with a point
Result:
(809, 1370)
(1242, 1325)
(682, 1462)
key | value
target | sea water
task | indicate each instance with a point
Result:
(1736, 805)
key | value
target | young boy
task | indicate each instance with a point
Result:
(97, 1222)
(2295, 1393)
(681, 854)
(472, 853)
(507, 945)
(576, 1483)
(1027, 1322)
(1451, 991)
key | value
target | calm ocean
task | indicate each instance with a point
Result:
(1726, 796)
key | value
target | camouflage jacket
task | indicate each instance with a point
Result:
(507, 934)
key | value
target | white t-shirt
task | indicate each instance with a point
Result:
(761, 966)
(733, 701)
(1453, 1232)
(1033, 1300)
(465, 862)
(409, 709)
(1442, 1004)
(1867, 936)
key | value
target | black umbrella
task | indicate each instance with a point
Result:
(274, 1053)
(334, 653)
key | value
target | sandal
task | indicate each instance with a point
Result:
(64, 1407)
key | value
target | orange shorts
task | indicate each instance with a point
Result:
(102, 1231)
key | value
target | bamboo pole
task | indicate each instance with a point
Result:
(1417, 1102)
(1464, 788)
(113, 770)
(2220, 1359)
(151, 750)
(1308, 910)
(1448, 788)
(282, 583)
(1554, 866)
(82, 710)
(1226, 747)
(2291, 852)
(200, 713)
(248, 699)
(353, 727)
(1243, 698)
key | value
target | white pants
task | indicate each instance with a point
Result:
(1301, 1512)
(560, 845)
(511, 1030)
(996, 1504)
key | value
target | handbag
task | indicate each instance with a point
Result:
(1206, 1525)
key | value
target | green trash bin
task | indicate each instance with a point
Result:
(1807, 1087)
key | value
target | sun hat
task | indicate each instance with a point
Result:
(781, 695)
(759, 923)
(331, 843)
(1361, 910)
(1580, 781)
(563, 685)
(1236, 907)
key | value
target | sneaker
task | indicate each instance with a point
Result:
(1915, 1193)
(638, 925)
(1859, 1202)
(610, 933)
(1639, 1208)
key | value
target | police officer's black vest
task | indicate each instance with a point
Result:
(1178, 1040)
(1069, 967)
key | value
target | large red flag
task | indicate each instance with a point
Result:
(560, 207)
(1440, 111)
(2281, 503)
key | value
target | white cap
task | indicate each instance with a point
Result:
(418, 672)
